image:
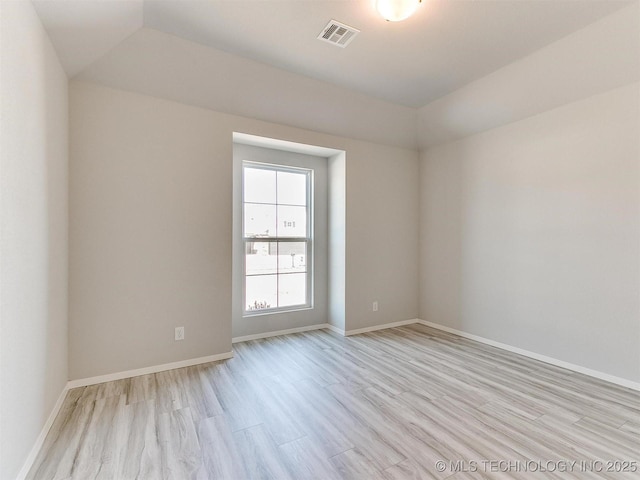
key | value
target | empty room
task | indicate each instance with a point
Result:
(353, 239)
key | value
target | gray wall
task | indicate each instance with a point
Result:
(337, 240)
(150, 236)
(531, 234)
(33, 239)
(381, 236)
(151, 228)
(252, 325)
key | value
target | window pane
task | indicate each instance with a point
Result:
(261, 258)
(259, 220)
(292, 221)
(261, 292)
(275, 204)
(259, 185)
(292, 188)
(292, 257)
(292, 289)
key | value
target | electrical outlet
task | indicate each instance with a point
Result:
(179, 333)
(375, 306)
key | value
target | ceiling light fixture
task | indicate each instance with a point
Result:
(396, 10)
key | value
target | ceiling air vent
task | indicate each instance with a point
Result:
(338, 34)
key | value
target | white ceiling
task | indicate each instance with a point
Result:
(446, 45)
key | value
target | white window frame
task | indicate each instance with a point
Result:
(308, 240)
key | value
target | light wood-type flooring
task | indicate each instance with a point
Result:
(384, 405)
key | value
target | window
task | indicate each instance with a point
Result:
(277, 235)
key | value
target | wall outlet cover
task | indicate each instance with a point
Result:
(179, 333)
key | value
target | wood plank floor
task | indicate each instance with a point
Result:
(384, 405)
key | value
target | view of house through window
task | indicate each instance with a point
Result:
(277, 237)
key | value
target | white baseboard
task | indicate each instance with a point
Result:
(257, 336)
(31, 458)
(339, 331)
(384, 326)
(83, 382)
(543, 358)
(323, 326)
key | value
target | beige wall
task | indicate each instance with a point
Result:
(382, 225)
(530, 233)
(33, 239)
(150, 238)
(151, 228)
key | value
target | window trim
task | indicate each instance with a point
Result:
(309, 239)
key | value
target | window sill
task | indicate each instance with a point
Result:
(276, 312)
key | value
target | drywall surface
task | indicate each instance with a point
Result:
(595, 59)
(270, 322)
(151, 228)
(82, 32)
(337, 240)
(150, 238)
(381, 235)
(33, 238)
(530, 233)
(166, 66)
